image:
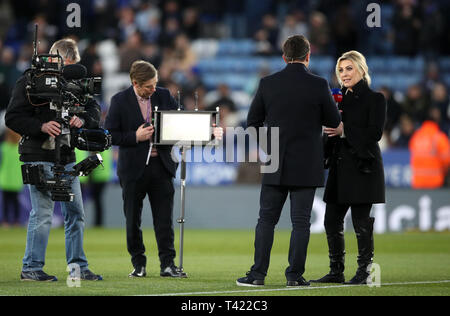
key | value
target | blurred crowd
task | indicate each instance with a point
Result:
(163, 32)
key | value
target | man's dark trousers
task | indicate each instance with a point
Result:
(157, 183)
(272, 199)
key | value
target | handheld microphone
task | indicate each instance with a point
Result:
(337, 95)
(74, 72)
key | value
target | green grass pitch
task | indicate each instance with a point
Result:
(411, 264)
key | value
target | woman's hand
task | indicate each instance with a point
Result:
(338, 131)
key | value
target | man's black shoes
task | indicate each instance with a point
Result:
(138, 272)
(170, 271)
(40, 276)
(85, 275)
(173, 272)
(299, 282)
(249, 281)
(88, 275)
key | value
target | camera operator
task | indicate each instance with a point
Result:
(36, 122)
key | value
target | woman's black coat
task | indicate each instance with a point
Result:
(356, 174)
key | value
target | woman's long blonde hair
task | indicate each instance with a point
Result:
(359, 61)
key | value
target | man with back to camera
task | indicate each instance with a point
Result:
(129, 121)
(299, 104)
(37, 124)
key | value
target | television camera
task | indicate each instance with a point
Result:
(66, 90)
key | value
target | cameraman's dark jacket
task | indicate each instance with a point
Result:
(27, 119)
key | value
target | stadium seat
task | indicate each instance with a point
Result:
(113, 84)
(233, 62)
(236, 47)
(446, 78)
(234, 81)
(376, 63)
(444, 64)
(205, 48)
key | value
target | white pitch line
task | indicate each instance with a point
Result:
(294, 288)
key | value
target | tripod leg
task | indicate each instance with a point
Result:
(181, 219)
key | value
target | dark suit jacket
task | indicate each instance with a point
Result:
(356, 172)
(298, 103)
(123, 119)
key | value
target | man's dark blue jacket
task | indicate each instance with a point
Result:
(123, 119)
(299, 103)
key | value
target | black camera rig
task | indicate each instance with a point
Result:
(66, 90)
(59, 186)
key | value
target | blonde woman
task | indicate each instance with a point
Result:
(356, 175)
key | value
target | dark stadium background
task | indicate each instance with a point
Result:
(220, 49)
